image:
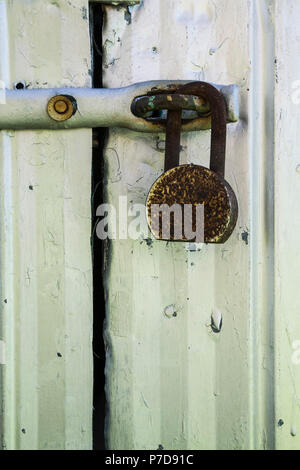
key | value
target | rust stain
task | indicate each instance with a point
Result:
(194, 185)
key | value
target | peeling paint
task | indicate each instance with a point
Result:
(170, 311)
(84, 13)
(216, 321)
(127, 16)
(245, 236)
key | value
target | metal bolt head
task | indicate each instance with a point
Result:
(61, 107)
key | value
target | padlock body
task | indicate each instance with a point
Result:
(192, 185)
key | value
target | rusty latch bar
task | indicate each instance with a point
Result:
(143, 105)
(119, 2)
(73, 108)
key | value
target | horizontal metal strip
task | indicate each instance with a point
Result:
(99, 107)
(118, 2)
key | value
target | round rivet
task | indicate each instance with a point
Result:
(61, 107)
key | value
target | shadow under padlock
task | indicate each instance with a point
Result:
(183, 192)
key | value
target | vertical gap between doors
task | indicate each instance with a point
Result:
(99, 138)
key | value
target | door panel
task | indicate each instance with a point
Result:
(171, 380)
(287, 223)
(46, 319)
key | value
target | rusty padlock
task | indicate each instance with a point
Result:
(195, 185)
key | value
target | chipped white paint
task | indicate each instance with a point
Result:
(46, 305)
(172, 381)
(216, 320)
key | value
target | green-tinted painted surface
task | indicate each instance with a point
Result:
(46, 305)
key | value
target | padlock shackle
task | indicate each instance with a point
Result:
(173, 130)
(218, 127)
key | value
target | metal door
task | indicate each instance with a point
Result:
(46, 298)
(202, 342)
(172, 382)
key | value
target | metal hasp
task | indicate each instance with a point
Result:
(101, 107)
(118, 2)
(193, 185)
